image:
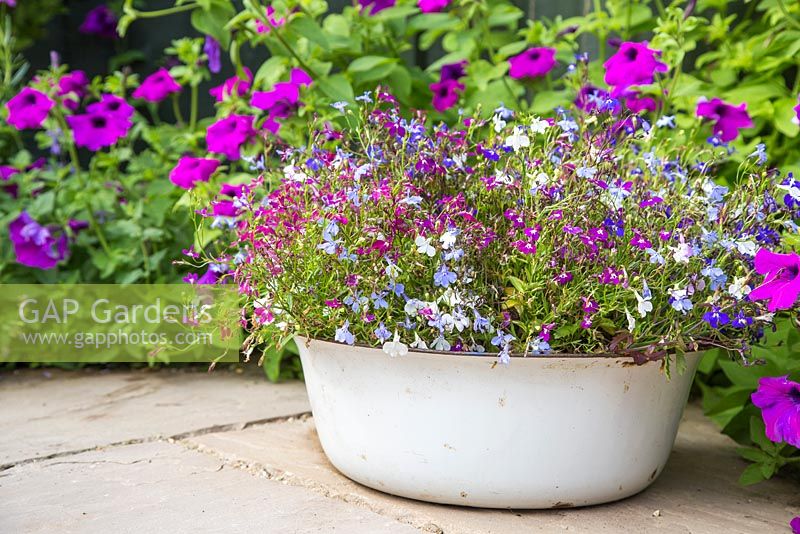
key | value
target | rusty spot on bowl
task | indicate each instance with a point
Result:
(560, 505)
(626, 388)
(501, 401)
(450, 447)
(463, 494)
(654, 473)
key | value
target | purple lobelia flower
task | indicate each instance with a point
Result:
(432, 6)
(191, 170)
(532, 63)
(781, 284)
(591, 99)
(728, 119)
(445, 94)
(34, 245)
(212, 52)
(95, 130)
(779, 400)
(100, 21)
(716, 318)
(226, 136)
(28, 109)
(633, 64)
(157, 86)
(375, 6)
(112, 105)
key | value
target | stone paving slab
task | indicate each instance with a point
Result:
(164, 487)
(52, 412)
(697, 492)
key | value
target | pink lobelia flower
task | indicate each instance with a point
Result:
(34, 245)
(781, 279)
(72, 86)
(779, 400)
(226, 136)
(272, 22)
(191, 170)
(375, 6)
(112, 105)
(532, 63)
(233, 85)
(432, 6)
(633, 64)
(157, 86)
(100, 21)
(729, 119)
(95, 130)
(28, 109)
(445, 94)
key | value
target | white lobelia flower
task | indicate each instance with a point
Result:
(424, 246)
(295, 174)
(503, 177)
(418, 343)
(518, 139)
(448, 239)
(747, 247)
(643, 304)
(631, 320)
(792, 189)
(539, 126)
(739, 288)
(499, 123)
(395, 347)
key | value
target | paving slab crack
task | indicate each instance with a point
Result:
(230, 427)
(286, 477)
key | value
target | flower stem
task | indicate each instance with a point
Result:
(162, 12)
(193, 109)
(176, 108)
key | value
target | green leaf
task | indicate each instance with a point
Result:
(751, 475)
(337, 88)
(759, 436)
(368, 63)
(308, 28)
(785, 117)
(400, 81)
(753, 454)
(212, 21)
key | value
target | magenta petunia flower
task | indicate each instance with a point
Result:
(532, 63)
(634, 101)
(453, 71)
(100, 21)
(34, 245)
(72, 87)
(633, 64)
(226, 136)
(95, 130)
(191, 170)
(9, 3)
(779, 400)
(729, 119)
(795, 525)
(112, 105)
(28, 109)
(212, 51)
(445, 94)
(233, 85)
(157, 86)
(797, 111)
(781, 284)
(300, 77)
(375, 6)
(432, 6)
(284, 95)
(6, 172)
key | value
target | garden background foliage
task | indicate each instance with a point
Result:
(130, 222)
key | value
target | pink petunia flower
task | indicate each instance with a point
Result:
(532, 63)
(432, 6)
(728, 119)
(35, 245)
(28, 109)
(226, 136)
(781, 284)
(445, 94)
(633, 64)
(779, 400)
(191, 170)
(95, 130)
(272, 22)
(233, 85)
(157, 86)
